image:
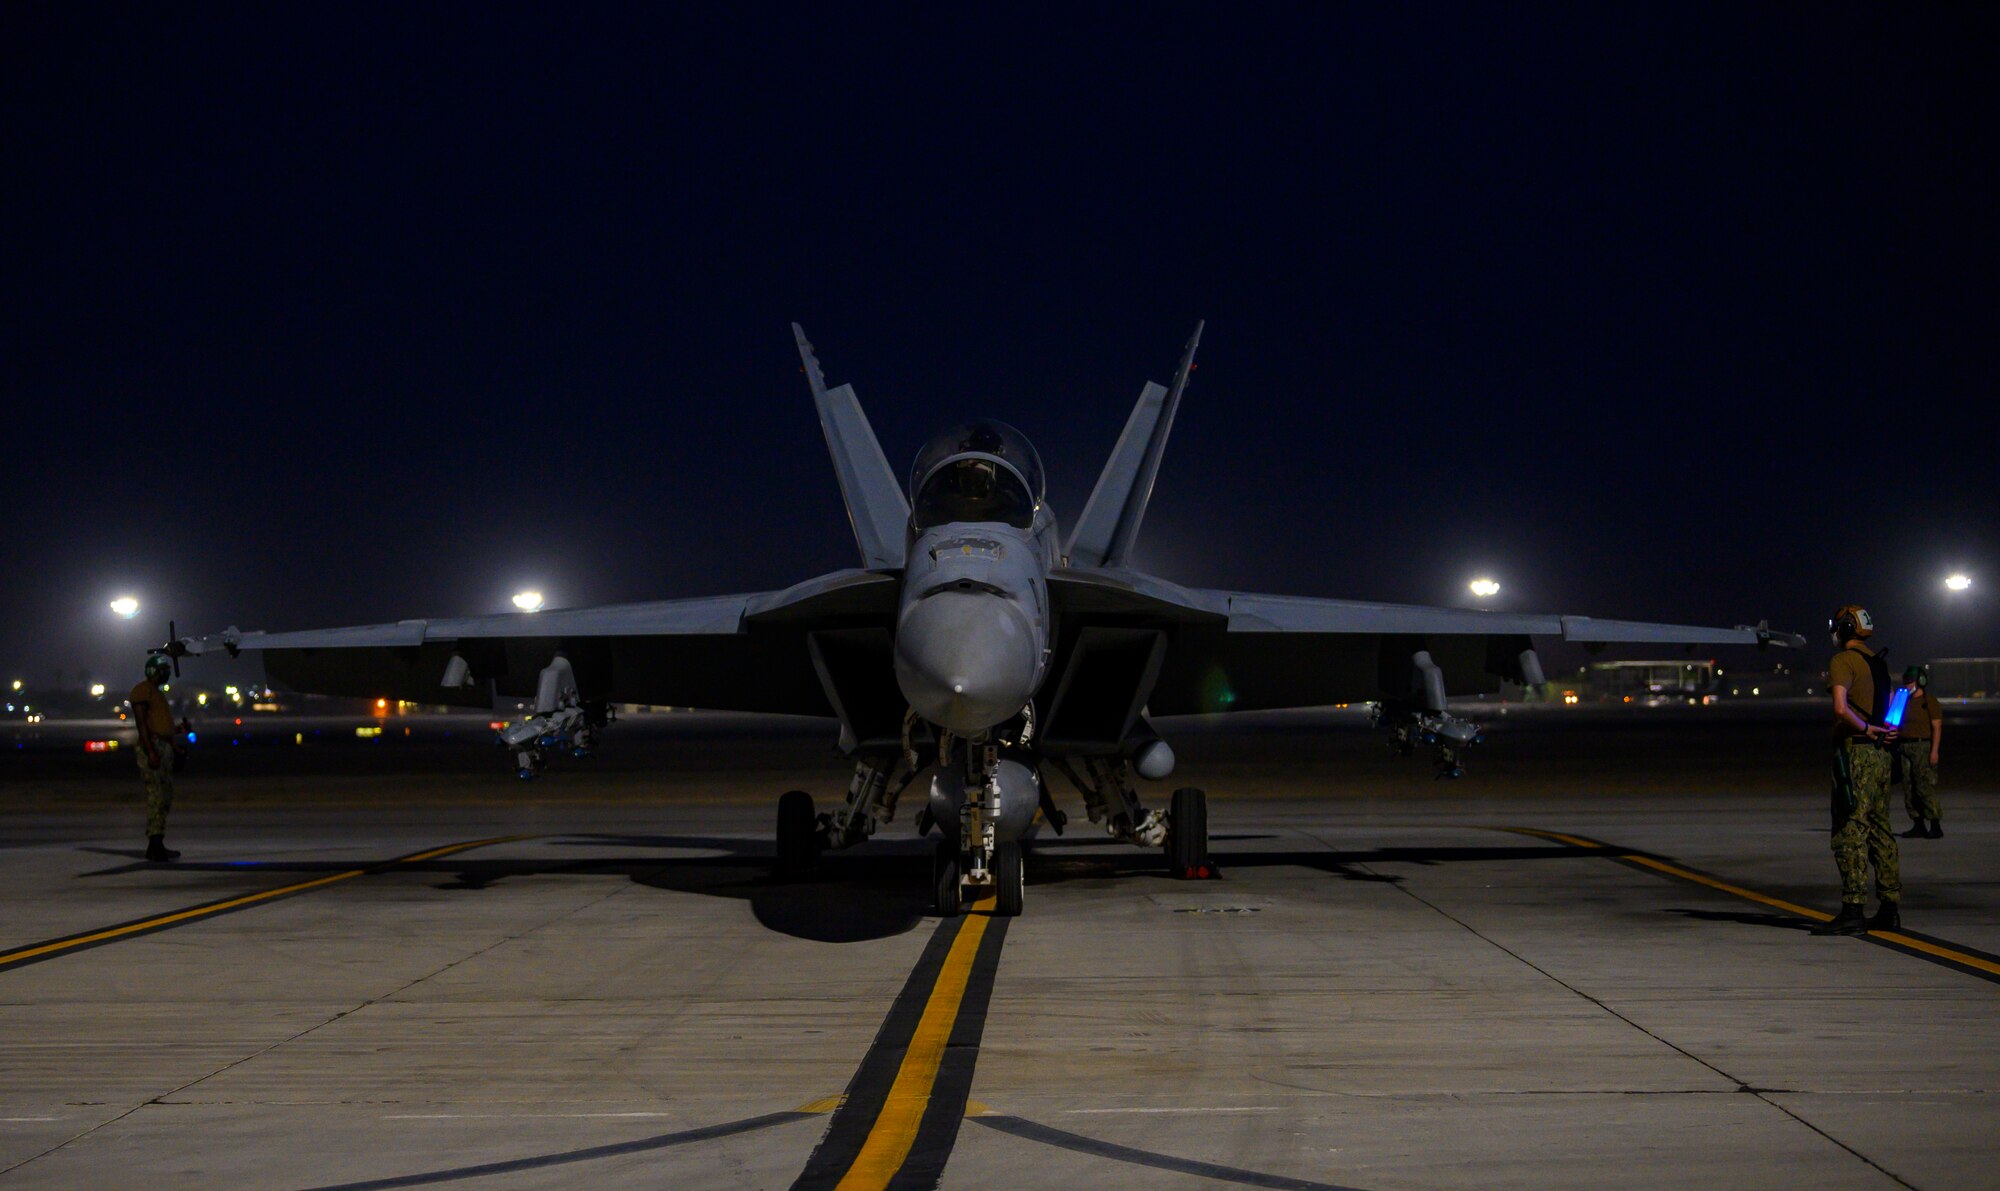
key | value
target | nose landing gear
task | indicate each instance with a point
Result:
(977, 861)
(947, 890)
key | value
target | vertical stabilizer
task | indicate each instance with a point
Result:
(875, 503)
(1109, 525)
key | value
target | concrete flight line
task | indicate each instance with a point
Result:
(1938, 951)
(50, 949)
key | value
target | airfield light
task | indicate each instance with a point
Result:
(1958, 582)
(1484, 588)
(97, 690)
(17, 684)
(202, 699)
(528, 601)
(125, 606)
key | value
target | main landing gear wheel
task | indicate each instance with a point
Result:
(798, 835)
(1187, 836)
(945, 893)
(1009, 883)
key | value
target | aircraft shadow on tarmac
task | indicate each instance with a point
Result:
(871, 893)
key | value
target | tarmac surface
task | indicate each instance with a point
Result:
(382, 963)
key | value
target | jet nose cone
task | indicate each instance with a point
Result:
(966, 660)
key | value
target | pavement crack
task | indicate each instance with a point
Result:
(1762, 1094)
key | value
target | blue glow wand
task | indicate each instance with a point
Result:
(1897, 703)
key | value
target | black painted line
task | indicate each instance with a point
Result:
(543, 1161)
(869, 1089)
(938, 1132)
(1063, 1139)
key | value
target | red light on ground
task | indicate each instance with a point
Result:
(239, 721)
(496, 725)
(381, 705)
(98, 746)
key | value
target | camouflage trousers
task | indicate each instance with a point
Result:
(1861, 823)
(159, 781)
(1920, 793)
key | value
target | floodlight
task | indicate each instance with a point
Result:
(528, 601)
(1485, 587)
(125, 606)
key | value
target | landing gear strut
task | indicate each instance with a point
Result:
(1111, 799)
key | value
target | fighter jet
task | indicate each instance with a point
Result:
(975, 648)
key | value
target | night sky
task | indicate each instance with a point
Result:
(313, 318)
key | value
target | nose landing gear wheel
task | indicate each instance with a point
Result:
(798, 831)
(1187, 836)
(1009, 882)
(945, 895)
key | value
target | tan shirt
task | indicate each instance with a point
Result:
(1923, 711)
(1849, 668)
(149, 707)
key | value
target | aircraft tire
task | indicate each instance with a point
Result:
(1009, 881)
(946, 893)
(797, 829)
(1187, 836)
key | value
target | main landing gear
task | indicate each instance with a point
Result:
(1113, 801)
(1187, 836)
(798, 835)
(983, 803)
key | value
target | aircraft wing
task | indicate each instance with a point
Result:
(756, 652)
(1231, 651)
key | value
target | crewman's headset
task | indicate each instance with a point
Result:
(1921, 675)
(1850, 622)
(158, 667)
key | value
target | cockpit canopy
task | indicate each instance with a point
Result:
(981, 471)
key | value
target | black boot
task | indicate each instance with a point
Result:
(1917, 830)
(157, 849)
(1851, 920)
(1937, 829)
(1888, 917)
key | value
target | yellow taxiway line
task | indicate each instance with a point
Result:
(1976, 962)
(895, 1129)
(40, 950)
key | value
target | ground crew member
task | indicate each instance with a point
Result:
(1917, 750)
(160, 748)
(1861, 743)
